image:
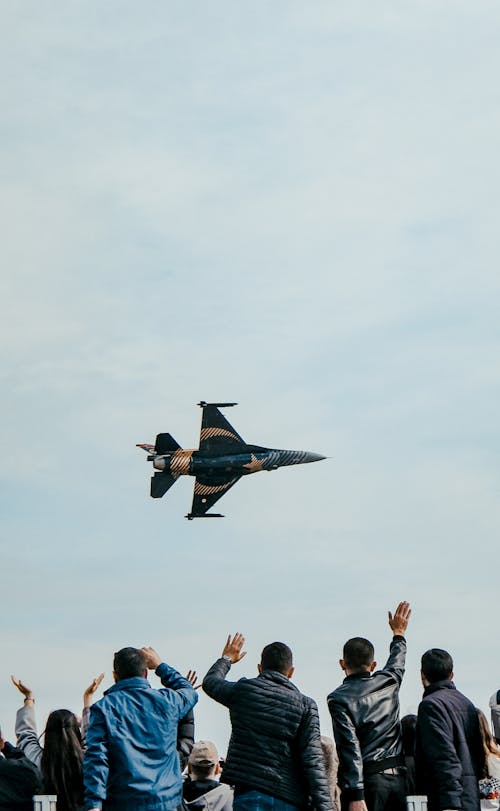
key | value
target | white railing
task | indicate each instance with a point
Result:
(415, 803)
(44, 802)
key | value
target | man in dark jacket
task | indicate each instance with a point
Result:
(274, 760)
(449, 751)
(19, 779)
(131, 759)
(365, 717)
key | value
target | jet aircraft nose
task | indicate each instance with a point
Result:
(313, 457)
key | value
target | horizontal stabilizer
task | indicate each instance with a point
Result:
(165, 443)
(160, 483)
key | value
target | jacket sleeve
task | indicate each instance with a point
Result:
(311, 757)
(437, 755)
(397, 657)
(84, 725)
(96, 760)
(185, 738)
(27, 736)
(215, 684)
(178, 691)
(349, 752)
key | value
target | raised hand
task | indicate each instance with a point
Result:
(27, 693)
(399, 622)
(152, 658)
(193, 679)
(232, 648)
(88, 696)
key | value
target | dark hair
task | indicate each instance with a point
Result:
(277, 656)
(437, 665)
(62, 756)
(202, 771)
(358, 653)
(129, 662)
(408, 730)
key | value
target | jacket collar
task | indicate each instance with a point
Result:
(445, 684)
(135, 683)
(279, 678)
(362, 675)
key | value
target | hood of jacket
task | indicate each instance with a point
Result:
(216, 799)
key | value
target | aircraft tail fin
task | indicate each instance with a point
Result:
(165, 443)
(160, 483)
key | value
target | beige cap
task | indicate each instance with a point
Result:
(204, 753)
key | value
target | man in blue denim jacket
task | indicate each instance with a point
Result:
(131, 760)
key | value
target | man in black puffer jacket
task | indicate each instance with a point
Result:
(274, 760)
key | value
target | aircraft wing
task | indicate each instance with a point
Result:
(208, 490)
(217, 434)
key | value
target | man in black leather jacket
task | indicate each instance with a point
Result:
(365, 716)
(274, 760)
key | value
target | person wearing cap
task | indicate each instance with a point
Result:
(274, 760)
(201, 791)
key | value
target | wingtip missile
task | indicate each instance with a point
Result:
(190, 516)
(204, 404)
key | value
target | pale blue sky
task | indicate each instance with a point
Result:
(291, 205)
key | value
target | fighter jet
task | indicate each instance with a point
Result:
(219, 463)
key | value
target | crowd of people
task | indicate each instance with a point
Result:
(135, 749)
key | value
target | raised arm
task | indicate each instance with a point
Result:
(185, 727)
(214, 683)
(95, 762)
(397, 652)
(88, 700)
(178, 689)
(26, 732)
